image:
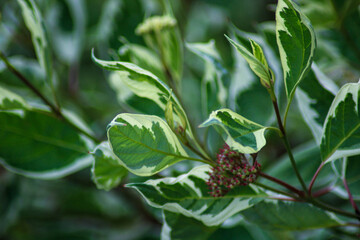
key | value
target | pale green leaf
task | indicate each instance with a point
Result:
(238, 132)
(258, 53)
(34, 22)
(261, 70)
(291, 216)
(314, 100)
(188, 195)
(36, 144)
(127, 99)
(69, 43)
(107, 171)
(296, 41)
(144, 58)
(216, 77)
(145, 144)
(341, 130)
(10, 100)
(143, 83)
(180, 227)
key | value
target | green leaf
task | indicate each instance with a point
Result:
(145, 144)
(314, 98)
(35, 24)
(341, 130)
(239, 133)
(10, 100)
(41, 146)
(177, 226)
(290, 216)
(296, 41)
(214, 93)
(188, 195)
(107, 171)
(257, 65)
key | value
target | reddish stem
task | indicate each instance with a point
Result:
(282, 183)
(286, 199)
(322, 192)
(314, 177)
(351, 199)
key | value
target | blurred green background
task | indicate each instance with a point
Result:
(72, 208)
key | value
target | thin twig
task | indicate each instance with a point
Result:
(282, 183)
(12, 69)
(53, 108)
(351, 199)
(315, 176)
(275, 190)
(287, 145)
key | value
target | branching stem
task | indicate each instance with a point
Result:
(287, 145)
(314, 177)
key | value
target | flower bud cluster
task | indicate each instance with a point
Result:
(155, 23)
(232, 169)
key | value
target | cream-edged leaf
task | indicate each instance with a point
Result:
(341, 131)
(296, 41)
(145, 144)
(238, 132)
(188, 195)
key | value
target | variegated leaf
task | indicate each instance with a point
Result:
(314, 96)
(145, 84)
(257, 65)
(291, 216)
(238, 132)
(107, 171)
(188, 195)
(296, 41)
(341, 130)
(180, 227)
(33, 20)
(246, 88)
(214, 93)
(145, 144)
(36, 144)
(10, 100)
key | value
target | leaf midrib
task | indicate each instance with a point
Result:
(155, 150)
(45, 140)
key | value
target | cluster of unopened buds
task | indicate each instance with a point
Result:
(232, 169)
